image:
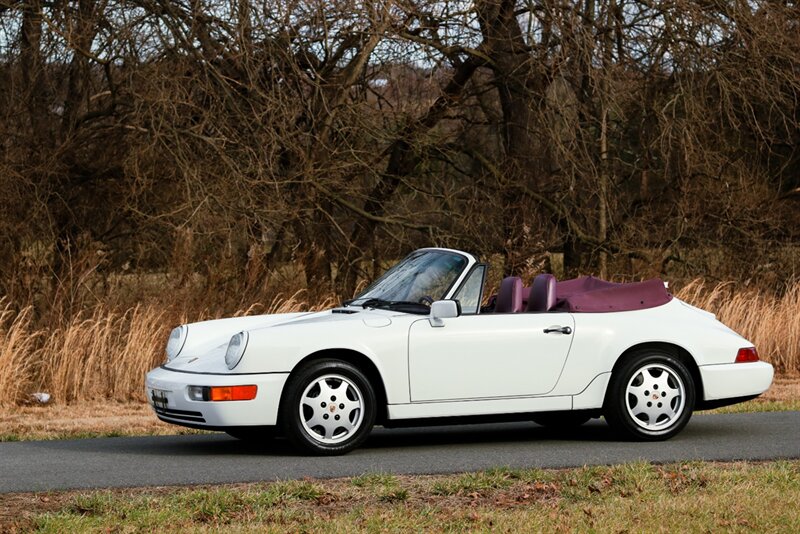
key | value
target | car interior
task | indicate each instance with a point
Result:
(585, 294)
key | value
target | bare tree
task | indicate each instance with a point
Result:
(231, 137)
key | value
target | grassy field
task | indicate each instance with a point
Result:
(639, 497)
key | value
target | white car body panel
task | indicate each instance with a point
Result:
(736, 379)
(423, 410)
(600, 338)
(473, 365)
(208, 334)
(487, 356)
(593, 395)
(263, 410)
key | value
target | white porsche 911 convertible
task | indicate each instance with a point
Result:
(416, 347)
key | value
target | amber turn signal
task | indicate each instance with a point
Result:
(232, 393)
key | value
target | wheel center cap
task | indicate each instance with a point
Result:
(655, 397)
(332, 408)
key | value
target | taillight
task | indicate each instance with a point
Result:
(747, 355)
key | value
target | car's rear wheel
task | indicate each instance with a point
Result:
(650, 397)
(328, 407)
(561, 420)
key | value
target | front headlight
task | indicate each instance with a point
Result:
(177, 339)
(236, 347)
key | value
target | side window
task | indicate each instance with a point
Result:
(470, 293)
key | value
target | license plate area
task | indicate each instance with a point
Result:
(159, 398)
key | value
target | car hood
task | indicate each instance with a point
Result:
(206, 335)
(207, 341)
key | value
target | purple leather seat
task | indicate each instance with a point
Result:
(543, 294)
(509, 296)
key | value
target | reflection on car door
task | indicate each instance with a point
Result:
(486, 356)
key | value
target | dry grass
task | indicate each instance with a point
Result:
(83, 420)
(771, 322)
(18, 346)
(104, 353)
(783, 389)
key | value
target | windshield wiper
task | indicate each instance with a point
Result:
(376, 303)
(369, 302)
(406, 306)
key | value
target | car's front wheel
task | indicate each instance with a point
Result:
(328, 407)
(650, 397)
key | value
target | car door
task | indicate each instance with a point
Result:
(488, 356)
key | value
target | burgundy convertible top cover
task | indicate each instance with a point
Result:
(588, 294)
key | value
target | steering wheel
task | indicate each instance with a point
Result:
(427, 299)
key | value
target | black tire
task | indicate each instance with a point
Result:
(669, 407)
(561, 420)
(356, 417)
(252, 434)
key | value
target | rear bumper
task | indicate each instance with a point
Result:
(731, 380)
(179, 409)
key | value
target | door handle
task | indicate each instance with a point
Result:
(560, 329)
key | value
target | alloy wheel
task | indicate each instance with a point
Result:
(331, 409)
(655, 397)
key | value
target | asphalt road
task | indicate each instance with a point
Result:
(204, 459)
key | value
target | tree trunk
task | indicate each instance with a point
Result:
(78, 74)
(521, 97)
(33, 69)
(402, 162)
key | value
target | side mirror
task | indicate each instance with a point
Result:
(444, 309)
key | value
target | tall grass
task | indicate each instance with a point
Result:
(19, 353)
(102, 354)
(105, 352)
(771, 322)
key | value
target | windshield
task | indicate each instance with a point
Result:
(422, 277)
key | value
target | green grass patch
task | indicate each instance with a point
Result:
(385, 487)
(476, 483)
(374, 480)
(635, 497)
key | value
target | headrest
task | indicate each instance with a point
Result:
(509, 296)
(543, 294)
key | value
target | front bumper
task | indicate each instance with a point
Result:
(730, 380)
(167, 393)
